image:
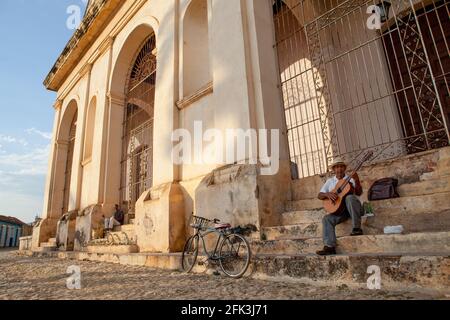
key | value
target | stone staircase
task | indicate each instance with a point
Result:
(49, 246)
(122, 240)
(421, 253)
(417, 259)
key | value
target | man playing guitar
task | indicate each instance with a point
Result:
(351, 207)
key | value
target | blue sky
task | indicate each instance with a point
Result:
(32, 34)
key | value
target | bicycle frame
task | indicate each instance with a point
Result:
(207, 232)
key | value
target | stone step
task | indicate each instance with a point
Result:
(303, 205)
(308, 224)
(417, 243)
(307, 188)
(124, 234)
(437, 183)
(123, 238)
(307, 231)
(45, 247)
(372, 225)
(168, 261)
(444, 163)
(128, 228)
(444, 153)
(397, 272)
(302, 217)
(48, 245)
(426, 187)
(423, 203)
(418, 204)
(115, 249)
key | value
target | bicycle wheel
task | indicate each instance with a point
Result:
(190, 253)
(234, 255)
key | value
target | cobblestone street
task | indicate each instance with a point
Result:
(39, 278)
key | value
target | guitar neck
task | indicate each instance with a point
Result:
(349, 178)
(359, 166)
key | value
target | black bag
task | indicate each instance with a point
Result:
(384, 189)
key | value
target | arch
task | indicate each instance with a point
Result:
(64, 155)
(196, 57)
(133, 86)
(129, 48)
(90, 129)
(301, 98)
(70, 111)
(137, 141)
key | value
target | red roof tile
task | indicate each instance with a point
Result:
(11, 220)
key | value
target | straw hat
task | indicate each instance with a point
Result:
(337, 161)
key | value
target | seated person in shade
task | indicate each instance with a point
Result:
(353, 208)
(116, 220)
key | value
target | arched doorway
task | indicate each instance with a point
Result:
(301, 97)
(69, 162)
(137, 140)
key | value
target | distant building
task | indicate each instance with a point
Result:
(11, 229)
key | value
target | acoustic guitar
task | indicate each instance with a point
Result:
(342, 189)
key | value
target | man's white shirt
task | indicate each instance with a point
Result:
(331, 184)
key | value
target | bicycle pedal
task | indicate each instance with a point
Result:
(216, 273)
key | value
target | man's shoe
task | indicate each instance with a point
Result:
(356, 232)
(327, 251)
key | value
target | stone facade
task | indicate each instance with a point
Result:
(216, 62)
(105, 50)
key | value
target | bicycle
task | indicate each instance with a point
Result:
(232, 250)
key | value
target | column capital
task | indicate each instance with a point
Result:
(106, 44)
(61, 142)
(116, 98)
(58, 104)
(85, 69)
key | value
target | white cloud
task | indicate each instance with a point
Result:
(10, 139)
(31, 163)
(45, 135)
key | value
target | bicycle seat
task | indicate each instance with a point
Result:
(220, 226)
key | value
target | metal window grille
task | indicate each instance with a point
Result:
(347, 88)
(137, 140)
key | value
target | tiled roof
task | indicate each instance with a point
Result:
(11, 220)
(81, 39)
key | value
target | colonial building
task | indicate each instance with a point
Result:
(11, 229)
(335, 77)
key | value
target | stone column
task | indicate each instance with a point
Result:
(77, 175)
(246, 96)
(77, 169)
(231, 99)
(111, 165)
(50, 181)
(160, 211)
(273, 188)
(52, 199)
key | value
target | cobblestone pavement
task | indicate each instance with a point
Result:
(43, 278)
